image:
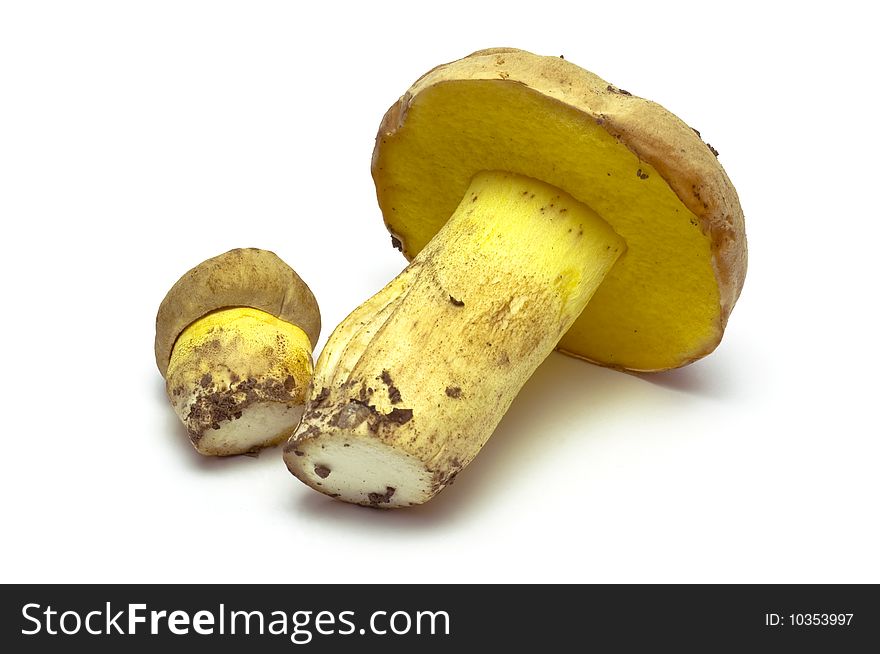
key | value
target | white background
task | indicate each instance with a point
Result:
(137, 139)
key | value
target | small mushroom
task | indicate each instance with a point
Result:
(234, 340)
(541, 208)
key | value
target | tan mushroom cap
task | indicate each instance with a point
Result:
(246, 277)
(667, 300)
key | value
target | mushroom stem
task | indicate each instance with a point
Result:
(411, 385)
(237, 379)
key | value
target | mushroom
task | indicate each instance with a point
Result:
(234, 340)
(541, 207)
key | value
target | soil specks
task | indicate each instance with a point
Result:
(382, 498)
(322, 471)
(393, 391)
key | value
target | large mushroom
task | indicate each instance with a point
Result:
(234, 340)
(541, 208)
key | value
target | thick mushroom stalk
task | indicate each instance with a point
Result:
(411, 385)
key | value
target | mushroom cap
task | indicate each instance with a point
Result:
(245, 277)
(667, 300)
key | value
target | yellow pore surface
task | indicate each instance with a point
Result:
(657, 308)
(245, 341)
